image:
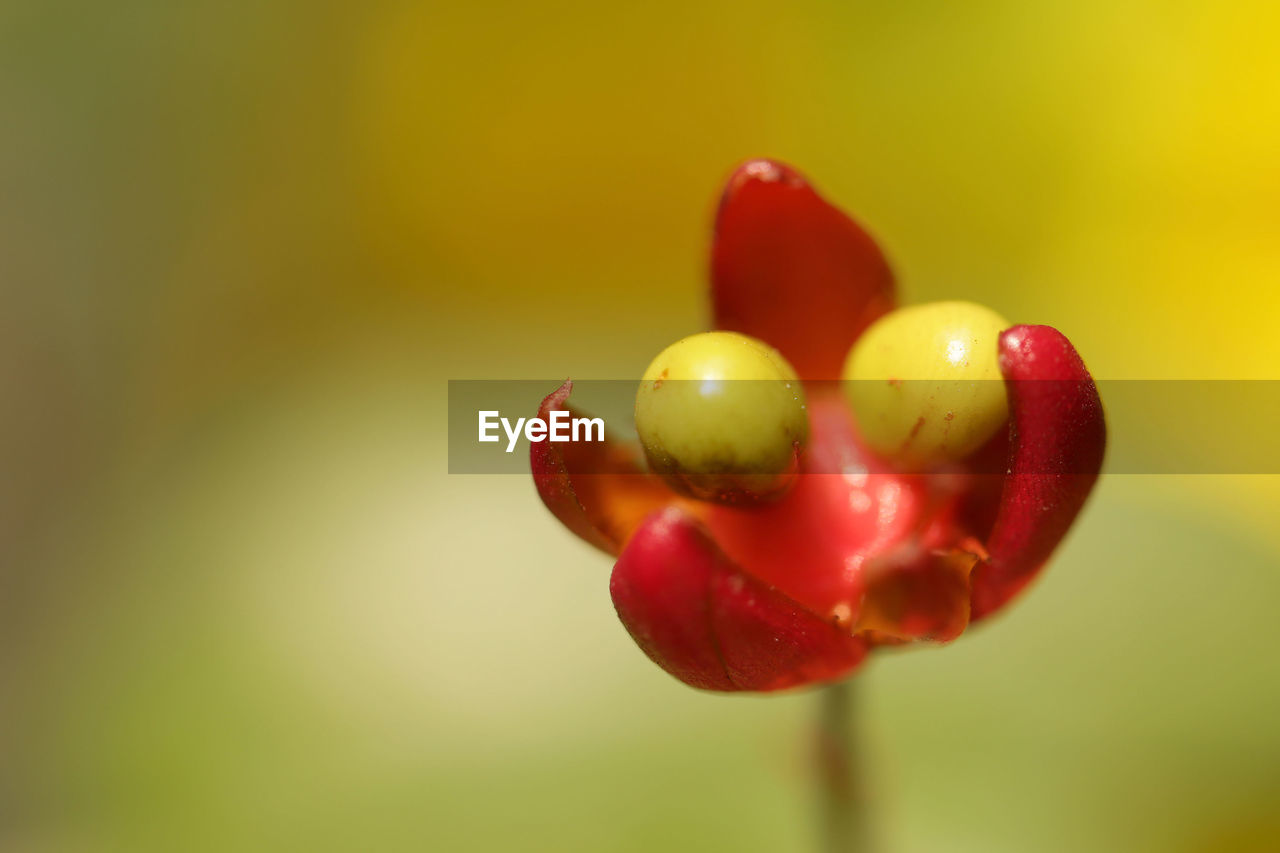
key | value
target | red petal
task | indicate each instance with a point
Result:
(792, 270)
(699, 617)
(1057, 438)
(599, 490)
(917, 594)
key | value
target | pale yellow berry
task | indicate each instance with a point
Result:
(722, 417)
(925, 384)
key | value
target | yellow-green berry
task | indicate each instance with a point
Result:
(722, 417)
(924, 382)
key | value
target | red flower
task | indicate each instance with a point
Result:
(853, 556)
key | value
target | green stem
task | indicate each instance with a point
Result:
(843, 813)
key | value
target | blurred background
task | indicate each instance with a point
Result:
(243, 245)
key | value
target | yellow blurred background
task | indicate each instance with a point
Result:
(243, 245)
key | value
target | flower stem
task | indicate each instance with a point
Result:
(843, 813)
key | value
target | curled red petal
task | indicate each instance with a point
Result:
(1057, 437)
(792, 270)
(599, 490)
(703, 620)
(917, 594)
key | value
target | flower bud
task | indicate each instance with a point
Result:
(925, 384)
(722, 417)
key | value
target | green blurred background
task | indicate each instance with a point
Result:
(243, 245)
